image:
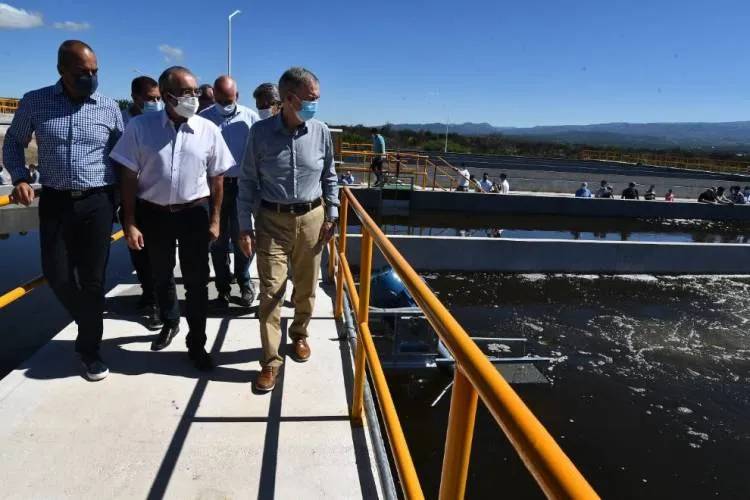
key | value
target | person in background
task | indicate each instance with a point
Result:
(206, 99)
(721, 196)
(630, 192)
(605, 190)
(669, 196)
(75, 128)
(708, 196)
(33, 174)
(485, 183)
(650, 194)
(347, 179)
(378, 156)
(144, 91)
(146, 98)
(584, 191)
(288, 180)
(736, 195)
(474, 184)
(504, 184)
(464, 178)
(234, 120)
(746, 193)
(267, 100)
(172, 162)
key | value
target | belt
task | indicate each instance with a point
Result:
(173, 208)
(291, 208)
(75, 194)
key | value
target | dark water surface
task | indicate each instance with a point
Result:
(649, 396)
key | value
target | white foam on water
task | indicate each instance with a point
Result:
(684, 410)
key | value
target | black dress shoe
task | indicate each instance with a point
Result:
(201, 359)
(248, 296)
(165, 337)
(153, 319)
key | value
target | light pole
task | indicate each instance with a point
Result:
(445, 149)
(229, 42)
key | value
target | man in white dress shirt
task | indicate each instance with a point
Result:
(173, 161)
(235, 121)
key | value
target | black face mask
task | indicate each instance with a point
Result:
(85, 85)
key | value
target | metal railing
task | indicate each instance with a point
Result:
(16, 293)
(667, 160)
(475, 377)
(8, 104)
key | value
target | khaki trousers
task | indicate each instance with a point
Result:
(281, 237)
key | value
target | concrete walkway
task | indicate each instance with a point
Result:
(157, 428)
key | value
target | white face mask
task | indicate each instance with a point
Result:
(186, 106)
(226, 110)
(265, 113)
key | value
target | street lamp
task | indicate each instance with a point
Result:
(445, 149)
(229, 42)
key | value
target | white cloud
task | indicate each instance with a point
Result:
(171, 54)
(71, 26)
(13, 18)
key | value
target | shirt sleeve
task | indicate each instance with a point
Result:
(248, 189)
(328, 179)
(220, 160)
(126, 151)
(17, 138)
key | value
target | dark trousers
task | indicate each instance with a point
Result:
(75, 238)
(142, 266)
(186, 231)
(229, 230)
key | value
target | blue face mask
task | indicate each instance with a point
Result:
(308, 110)
(152, 106)
(85, 85)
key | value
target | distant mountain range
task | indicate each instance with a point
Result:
(699, 135)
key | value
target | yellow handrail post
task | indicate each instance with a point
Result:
(343, 215)
(5, 200)
(363, 317)
(332, 258)
(458, 439)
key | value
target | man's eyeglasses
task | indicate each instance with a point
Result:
(188, 93)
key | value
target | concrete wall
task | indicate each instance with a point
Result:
(562, 256)
(15, 219)
(486, 204)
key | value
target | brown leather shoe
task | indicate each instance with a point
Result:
(266, 380)
(301, 350)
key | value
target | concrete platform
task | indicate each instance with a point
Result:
(158, 428)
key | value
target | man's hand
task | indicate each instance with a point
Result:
(213, 230)
(134, 237)
(23, 194)
(247, 243)
(326, 232)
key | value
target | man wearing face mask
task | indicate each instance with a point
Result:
(75, 128)
(146, 98)
(172, 161)
(289, 182)
(267, 100)
(235, 121)
(206, 99)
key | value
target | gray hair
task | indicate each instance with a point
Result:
(269, 91)
(294, 78)
(166, 78)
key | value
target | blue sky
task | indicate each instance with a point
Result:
(535, 62)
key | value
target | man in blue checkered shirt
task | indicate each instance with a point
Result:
(75, 129)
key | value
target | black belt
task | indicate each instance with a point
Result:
(75, 194)
(291, 208)
(172, 208)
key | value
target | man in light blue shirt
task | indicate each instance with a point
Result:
(584, 191)
(235, 121)
(289, 182)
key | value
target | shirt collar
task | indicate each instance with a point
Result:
(167, 121)
(280, 127)
(59, 89)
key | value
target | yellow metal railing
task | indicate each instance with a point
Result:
(8, 104)
(667, 160)
(475, 377)
(16, 293)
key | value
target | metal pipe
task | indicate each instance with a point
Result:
(229, 42)
(458, 439)
(552, 469)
